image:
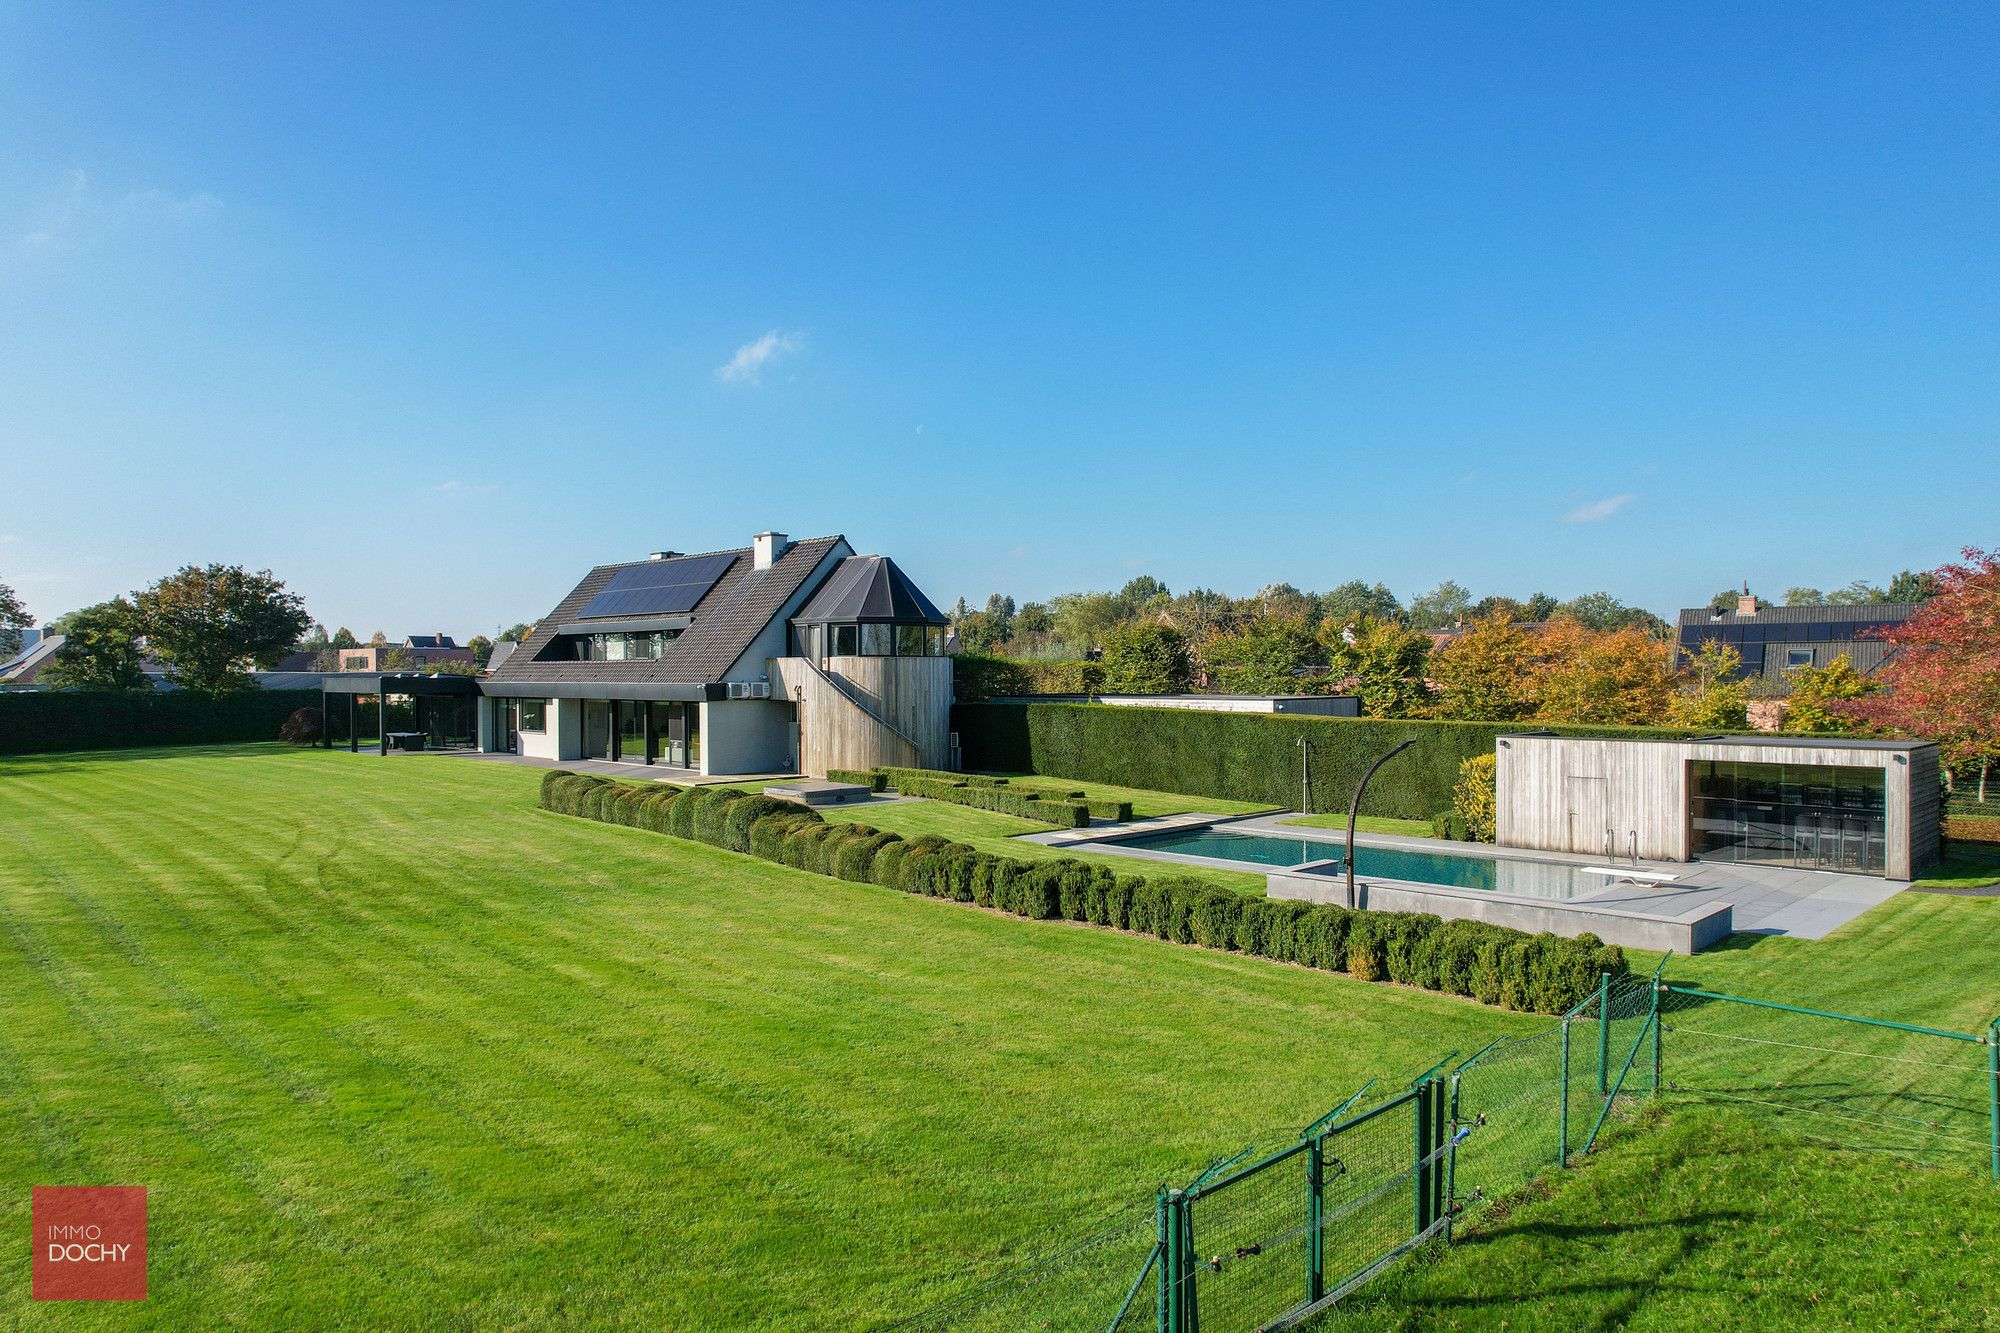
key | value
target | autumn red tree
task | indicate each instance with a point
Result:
(1942, 679)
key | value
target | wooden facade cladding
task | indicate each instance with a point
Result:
(1623, 797)
(857, 712)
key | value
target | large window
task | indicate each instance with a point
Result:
(1812, 816)
(871, 640)
(632, 732)
(624, 647)
(534, 714)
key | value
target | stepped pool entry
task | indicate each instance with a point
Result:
(1520, 876)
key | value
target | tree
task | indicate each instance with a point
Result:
(378, 640)
(1537, 608)
(100, 650)
(1724, 600)
(482, 648)
(1612, 678)
(1264, 655)
(981, 631)
(1942, 679)
(1485, 674)
(1713, 694)
(449, 668)
(1148, 658)
(513, 633)
(1804, 597)
(1000, 607)
(398, 659)
(210, 624)
(1817, 690)
(1602, 611)
(1858, 593)
(14, 618)
(1033, 618)
(1382, 662)
(1354, 600)
(344, 638)
(1138, 592)
(1200, 612)
(314, 641)
(1085, 618)
(1439, 608)
(1475, 797)
(1911, 587)
(1285, 602)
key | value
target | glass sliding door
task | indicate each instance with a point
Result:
(632, 732)
(596, 729)
(1804, 816)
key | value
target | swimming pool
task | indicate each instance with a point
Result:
(1521, 876)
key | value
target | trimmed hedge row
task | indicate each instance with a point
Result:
(1000, 800)
(1493, 964)
(1240, 756)
(876, 781)
(1046, 789)
(36, 721)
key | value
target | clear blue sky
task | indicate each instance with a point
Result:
(427, 308)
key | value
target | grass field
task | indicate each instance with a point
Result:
(393, 1048)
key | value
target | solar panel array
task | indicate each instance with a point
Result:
(659, 587)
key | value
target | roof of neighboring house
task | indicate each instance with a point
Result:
(501, 652)
(431, 641)
(1854, 613)
(727, 618)
(872, 588)
(22, 667)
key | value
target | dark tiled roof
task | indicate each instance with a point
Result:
(432, 641)
(1855, 613)
(869, 587)
(732, 614)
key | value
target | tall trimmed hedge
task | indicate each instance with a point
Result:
(34, 722)
(1240, 756)
(1538, 973)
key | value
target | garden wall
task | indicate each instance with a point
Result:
(1240, 756)
(43, 720)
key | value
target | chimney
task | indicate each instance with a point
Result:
(1746, 605)
(663, 555)
(766, 547)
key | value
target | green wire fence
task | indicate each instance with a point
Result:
(1272, 1238)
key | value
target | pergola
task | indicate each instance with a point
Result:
(357, 685)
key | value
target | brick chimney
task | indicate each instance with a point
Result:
(1746, 605)
(766, 547)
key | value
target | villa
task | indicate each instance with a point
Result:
(778, 657)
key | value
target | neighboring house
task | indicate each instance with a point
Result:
(501, 652)
(19, 671)
(423, 649)
(778, 657)
(1777, 639)
(23, 670)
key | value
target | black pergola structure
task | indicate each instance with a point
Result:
(444, 708)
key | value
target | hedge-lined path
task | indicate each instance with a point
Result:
(393, 1048)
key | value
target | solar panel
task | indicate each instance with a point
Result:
(659, 587)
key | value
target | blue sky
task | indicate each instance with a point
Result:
(427, 308)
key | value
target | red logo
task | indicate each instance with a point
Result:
(90, 1242)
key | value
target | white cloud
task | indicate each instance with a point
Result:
(747, 366)
(77, 212)
(1598, 510)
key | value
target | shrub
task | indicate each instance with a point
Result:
(1473, 798)
(33, 721)
(1000, 800)
(888, 868)
(1321, 937)
(1449, 824)
(1215, 917)
(875, 781)
(1174, 913)
(854, 858)
(302, 727)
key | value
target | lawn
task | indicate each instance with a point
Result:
(391, 1047)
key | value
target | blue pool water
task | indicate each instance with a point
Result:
(1530, 878)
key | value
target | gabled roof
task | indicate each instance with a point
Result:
(726, 620)
(1851, 613)
(869, 588)
(21, 668)
(432, 641)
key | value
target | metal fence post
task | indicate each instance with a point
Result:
(1417, 1139)
(1993, 1076)
(1562, 1110)
(1603, 1032)
(1315, 1217)
(1170, 1261)
(1655, 1020)
(1451, 1159)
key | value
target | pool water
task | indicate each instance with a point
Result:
(1515, 875)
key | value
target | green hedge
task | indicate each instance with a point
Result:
(942, 786)
(876, 781)
(33, 722)
(975, 676)
(1533, 973)
(1000, 800)
(1240, 756)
